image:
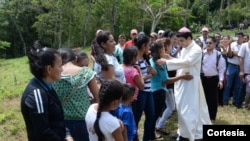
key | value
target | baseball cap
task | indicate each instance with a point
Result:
(160, 31)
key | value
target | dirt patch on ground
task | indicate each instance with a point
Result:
(10, 103)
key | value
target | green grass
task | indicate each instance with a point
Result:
(15, 75)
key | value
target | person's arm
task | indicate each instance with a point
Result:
(231, 53)
(117, 134)
(241, 61)
(177, 78)
(109, 73)
(94, 89)
(39, 116)
(221, 70)
(120, 54)
(92, 58)
(192, 58)
(125, 133)
(138, 79)
(241, 56)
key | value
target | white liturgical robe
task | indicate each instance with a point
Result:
(189, 95)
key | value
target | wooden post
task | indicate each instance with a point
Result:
(15, 81)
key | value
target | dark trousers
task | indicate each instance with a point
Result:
(220, 95)
(78, 129)
(160, 105)
(145, 103)
(211, 93)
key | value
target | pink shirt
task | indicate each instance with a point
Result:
(209, 65)
(130, 73)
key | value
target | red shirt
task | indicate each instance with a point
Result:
(129, 43)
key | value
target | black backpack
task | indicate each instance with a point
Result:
(218, 54)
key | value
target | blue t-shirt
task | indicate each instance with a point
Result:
(161, 76)
(126, 115)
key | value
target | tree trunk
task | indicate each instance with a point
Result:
(20, 34)
(142, 22)
(221, 6)
(154, 24)
(186, 14)
(113, 18)
(60, 32)
(228, 16)
(155, 17)
(86, 21)
(69, 34)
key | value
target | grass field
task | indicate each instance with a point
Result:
(15, 75)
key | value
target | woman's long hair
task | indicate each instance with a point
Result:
(99, 51)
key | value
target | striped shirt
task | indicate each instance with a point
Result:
(144, 70)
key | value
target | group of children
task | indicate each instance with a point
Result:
(145, 91)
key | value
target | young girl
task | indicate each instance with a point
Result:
(102, 125)
(125, 113)
(161, 79)
(82, 58)
(169, 101)
(132, 72)
(175, 48)
(144, 102)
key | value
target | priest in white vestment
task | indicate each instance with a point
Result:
(189, 95)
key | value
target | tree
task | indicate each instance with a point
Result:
(73, 23)
(155, 11)
(4, 44)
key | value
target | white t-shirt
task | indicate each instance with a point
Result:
(119, 74)
(244, 52)
(107, 122)
(235, 59)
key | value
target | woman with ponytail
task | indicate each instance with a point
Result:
(40, 106)
(106, 64)
(101, 125)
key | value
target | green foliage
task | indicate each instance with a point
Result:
(4, 44)
(71, 23)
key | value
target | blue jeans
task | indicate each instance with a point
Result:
(78, 129)
(145, 102)
(170, 103)
(232, 79)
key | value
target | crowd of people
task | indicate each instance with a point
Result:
(153, 74)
